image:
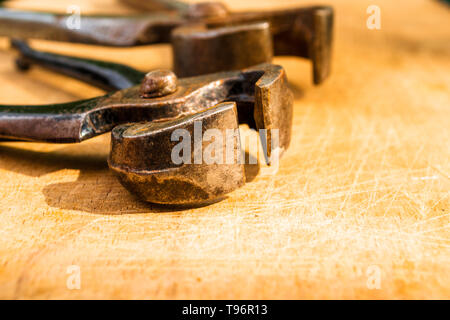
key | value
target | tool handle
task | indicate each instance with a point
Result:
(105, 75)
(157, 5)
(61, 123)
(101, 30)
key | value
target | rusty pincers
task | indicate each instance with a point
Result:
(143, 119)
(205, 37)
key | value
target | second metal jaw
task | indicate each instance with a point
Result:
(205, 37)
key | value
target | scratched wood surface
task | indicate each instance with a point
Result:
(360, 201)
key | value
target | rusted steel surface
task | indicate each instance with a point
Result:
(157, 5)
(304, 32)
(105, 75)
(141, 156)
(158, 83)
(258, 96)
(201, 50)
(196, 51)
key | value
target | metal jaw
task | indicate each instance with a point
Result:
(200, 34)
(140, 151)
(141, 156)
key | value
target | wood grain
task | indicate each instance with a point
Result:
(363, 188)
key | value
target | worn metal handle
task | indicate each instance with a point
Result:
(50, 123)
(91, 29)
(105, 75)
(157, 5)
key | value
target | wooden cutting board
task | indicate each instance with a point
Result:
(358, 209)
